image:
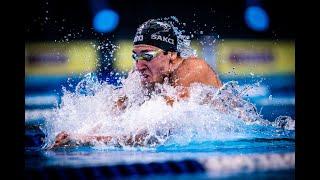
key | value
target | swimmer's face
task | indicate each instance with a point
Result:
(153, 70)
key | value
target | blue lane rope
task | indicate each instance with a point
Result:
(137, 169)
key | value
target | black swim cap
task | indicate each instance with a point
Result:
(157, 33)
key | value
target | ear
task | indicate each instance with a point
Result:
(173, 56)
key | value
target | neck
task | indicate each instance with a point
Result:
(175, 65)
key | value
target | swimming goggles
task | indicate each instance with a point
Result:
(148, 56)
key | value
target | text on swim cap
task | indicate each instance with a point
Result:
(155, 37)
(162, 38)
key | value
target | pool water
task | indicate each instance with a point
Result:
(84, 156)
(39, 160)
(206, 143)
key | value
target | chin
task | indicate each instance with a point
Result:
(149, 82)
(146, 82)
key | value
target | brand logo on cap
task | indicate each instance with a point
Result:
(138, 38)
(162, 38)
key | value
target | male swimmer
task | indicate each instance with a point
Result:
(157, 58)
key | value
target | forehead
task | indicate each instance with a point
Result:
(143, 47)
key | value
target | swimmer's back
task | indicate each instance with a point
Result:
(195, 70)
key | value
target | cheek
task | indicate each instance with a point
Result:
(162, 66)
(161, 69)
(155, 67)
(159, 66)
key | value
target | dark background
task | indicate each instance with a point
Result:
(227, 17)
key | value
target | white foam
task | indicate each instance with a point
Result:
(90, 111)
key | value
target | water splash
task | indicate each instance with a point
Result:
(88, 85)
(209, 114)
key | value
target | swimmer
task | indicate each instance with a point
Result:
(157, 59)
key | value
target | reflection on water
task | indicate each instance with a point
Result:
(90, 156)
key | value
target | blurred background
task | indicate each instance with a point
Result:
(249, 41)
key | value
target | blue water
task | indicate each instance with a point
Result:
(93, 157)
(90, 156)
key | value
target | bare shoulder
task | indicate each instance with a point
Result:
(195, 62)
(197, 70)
(191, 66)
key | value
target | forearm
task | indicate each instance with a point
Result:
(65, 139)
(182, 94)
(87, 139)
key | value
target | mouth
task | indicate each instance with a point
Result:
(144, 76)
(145, 73)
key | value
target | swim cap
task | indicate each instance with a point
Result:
(157, 33)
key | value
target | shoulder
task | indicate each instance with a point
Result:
(195, 62)
(195, 66)
(196, 70)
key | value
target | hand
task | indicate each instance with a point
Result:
(121, 103)
(62, 138)
(169, 100)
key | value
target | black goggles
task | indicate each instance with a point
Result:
(148, 56)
